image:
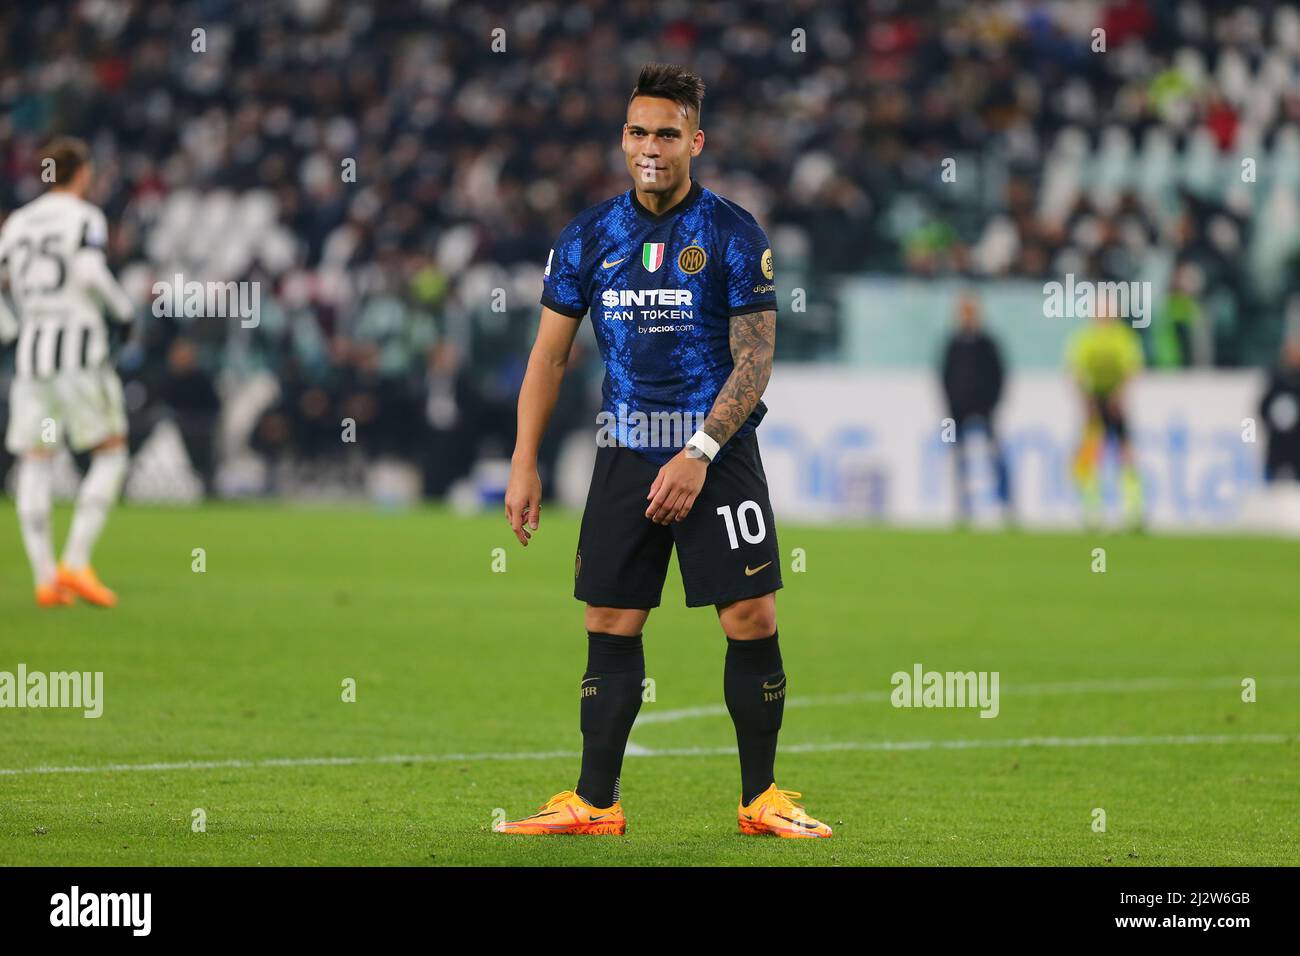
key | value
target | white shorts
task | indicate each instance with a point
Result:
(84, 407)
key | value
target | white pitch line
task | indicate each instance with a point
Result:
(291, 762)
(996, 744)
(1121, 686)
(638, 751)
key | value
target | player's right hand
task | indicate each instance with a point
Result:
(524, 501)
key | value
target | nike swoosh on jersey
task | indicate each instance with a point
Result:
(750, 572)
(609, 265)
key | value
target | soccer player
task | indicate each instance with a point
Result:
(1104, 356)
(52, 253)
(680, 284)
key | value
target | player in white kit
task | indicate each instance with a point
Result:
(64, 389)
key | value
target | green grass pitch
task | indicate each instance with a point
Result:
(1119, 690)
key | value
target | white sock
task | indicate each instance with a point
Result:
(95, 499)
(33, 501)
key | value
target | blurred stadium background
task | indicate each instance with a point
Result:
(404, 298)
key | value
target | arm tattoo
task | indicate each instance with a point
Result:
(753, 340)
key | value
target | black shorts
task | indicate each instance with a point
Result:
(1114, 425)
(726, 546)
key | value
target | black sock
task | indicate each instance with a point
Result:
(611, 697)
(754, 686)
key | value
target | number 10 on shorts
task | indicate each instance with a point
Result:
(743, 518)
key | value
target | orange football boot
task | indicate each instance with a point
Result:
(86, 585)
(774, 811)
(53, 594)
(566, 812)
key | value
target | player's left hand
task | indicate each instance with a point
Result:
(675, 488)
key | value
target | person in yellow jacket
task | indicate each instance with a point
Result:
(1103, 357)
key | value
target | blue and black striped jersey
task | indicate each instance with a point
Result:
(662, 290)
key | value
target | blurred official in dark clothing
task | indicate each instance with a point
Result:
(1280, 411)
(191, 397)
(972, 382)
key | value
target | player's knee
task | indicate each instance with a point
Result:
(750, 619)
(628, 622)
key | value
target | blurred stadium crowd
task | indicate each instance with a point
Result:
(378, 299)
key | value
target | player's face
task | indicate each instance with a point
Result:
(968, 314)
(82, 179)
(659, 140)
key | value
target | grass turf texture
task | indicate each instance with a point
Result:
(245, 662)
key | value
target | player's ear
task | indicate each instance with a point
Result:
(697, 144)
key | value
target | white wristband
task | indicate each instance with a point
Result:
(705, 444)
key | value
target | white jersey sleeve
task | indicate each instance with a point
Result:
(8, 320)
(91, 272)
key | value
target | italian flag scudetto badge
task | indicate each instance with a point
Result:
(652, 256)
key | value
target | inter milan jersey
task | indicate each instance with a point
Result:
(662, 290)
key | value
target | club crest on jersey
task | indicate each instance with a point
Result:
(691, 260)
(652, 256)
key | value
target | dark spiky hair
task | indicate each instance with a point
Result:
(670, 82)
